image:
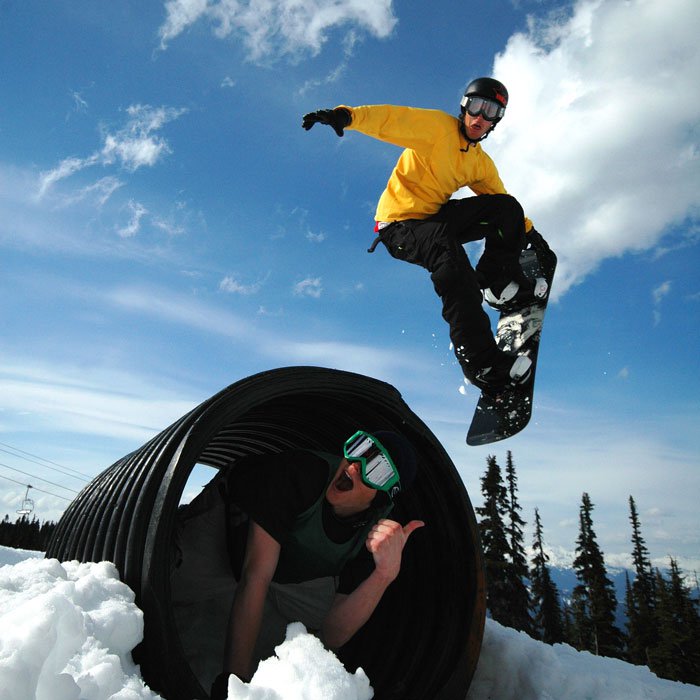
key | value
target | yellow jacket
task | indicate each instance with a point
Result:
(435, 163)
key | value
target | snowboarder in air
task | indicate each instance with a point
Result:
(418, 222)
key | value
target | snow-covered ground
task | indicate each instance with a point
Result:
(66, 632)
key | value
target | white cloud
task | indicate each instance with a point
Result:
(168, 226)
(310, 287)
(335, 73)
(66, 221)
(66, 168)
(264, 311)
(315, 237)
(279, 346)
(283, 27)
(137, 144)
(658, 294)
(180, 15)
(80, 104)
(26, 223)
(137, 212)
(132, 152)
(233, 286)
(97, 193)
(661, 291)
(80, 399)
(600, 139)
(103, 189)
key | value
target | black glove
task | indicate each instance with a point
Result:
(534, 238)
(337, 118)
(540, 246)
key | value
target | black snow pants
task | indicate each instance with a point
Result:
(436, 243)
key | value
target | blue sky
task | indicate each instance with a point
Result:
(167, 228)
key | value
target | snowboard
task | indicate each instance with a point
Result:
(500, 416)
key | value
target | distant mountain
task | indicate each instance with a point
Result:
(566, 581)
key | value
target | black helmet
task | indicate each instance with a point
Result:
(490, 88)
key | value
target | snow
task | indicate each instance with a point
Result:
(514, 666)
(67, 630)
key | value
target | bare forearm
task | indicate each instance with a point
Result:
(385, 541)
(349, 613)
(244, 628)
(262, 554)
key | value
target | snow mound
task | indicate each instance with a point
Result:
(513, 666)
(66, 633)
(302, 670)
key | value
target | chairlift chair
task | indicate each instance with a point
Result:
(27, 504)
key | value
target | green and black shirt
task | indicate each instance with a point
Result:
(285, 495)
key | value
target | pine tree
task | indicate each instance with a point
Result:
(630, 612)
(594, 598)
(568, 624)
(5, 530)
(676, 656)
(689, 616)
(517, 571)
(581, 634)
(494, 541)
(640, 601)
(548, 619)
(45, 533)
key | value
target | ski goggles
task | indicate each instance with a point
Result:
(377, 469)
(488, 109)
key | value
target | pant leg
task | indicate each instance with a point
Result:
(434, 245)
(307, 602)
(203, 584)
(497, 218)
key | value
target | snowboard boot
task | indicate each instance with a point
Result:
(501, 371)
(511, 289)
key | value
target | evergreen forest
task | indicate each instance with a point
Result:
(25, 533)
(662, 629)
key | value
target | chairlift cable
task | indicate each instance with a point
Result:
(34, 487)
(43, 461)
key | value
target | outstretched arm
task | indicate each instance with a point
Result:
(261, 557)
(407, 127)
(385, 541)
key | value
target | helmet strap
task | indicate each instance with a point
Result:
(463, 129)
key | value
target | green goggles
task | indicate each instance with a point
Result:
(378, 470)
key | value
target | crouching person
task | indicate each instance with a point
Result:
(320, 547)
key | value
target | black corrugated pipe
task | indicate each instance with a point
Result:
(423, 641)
